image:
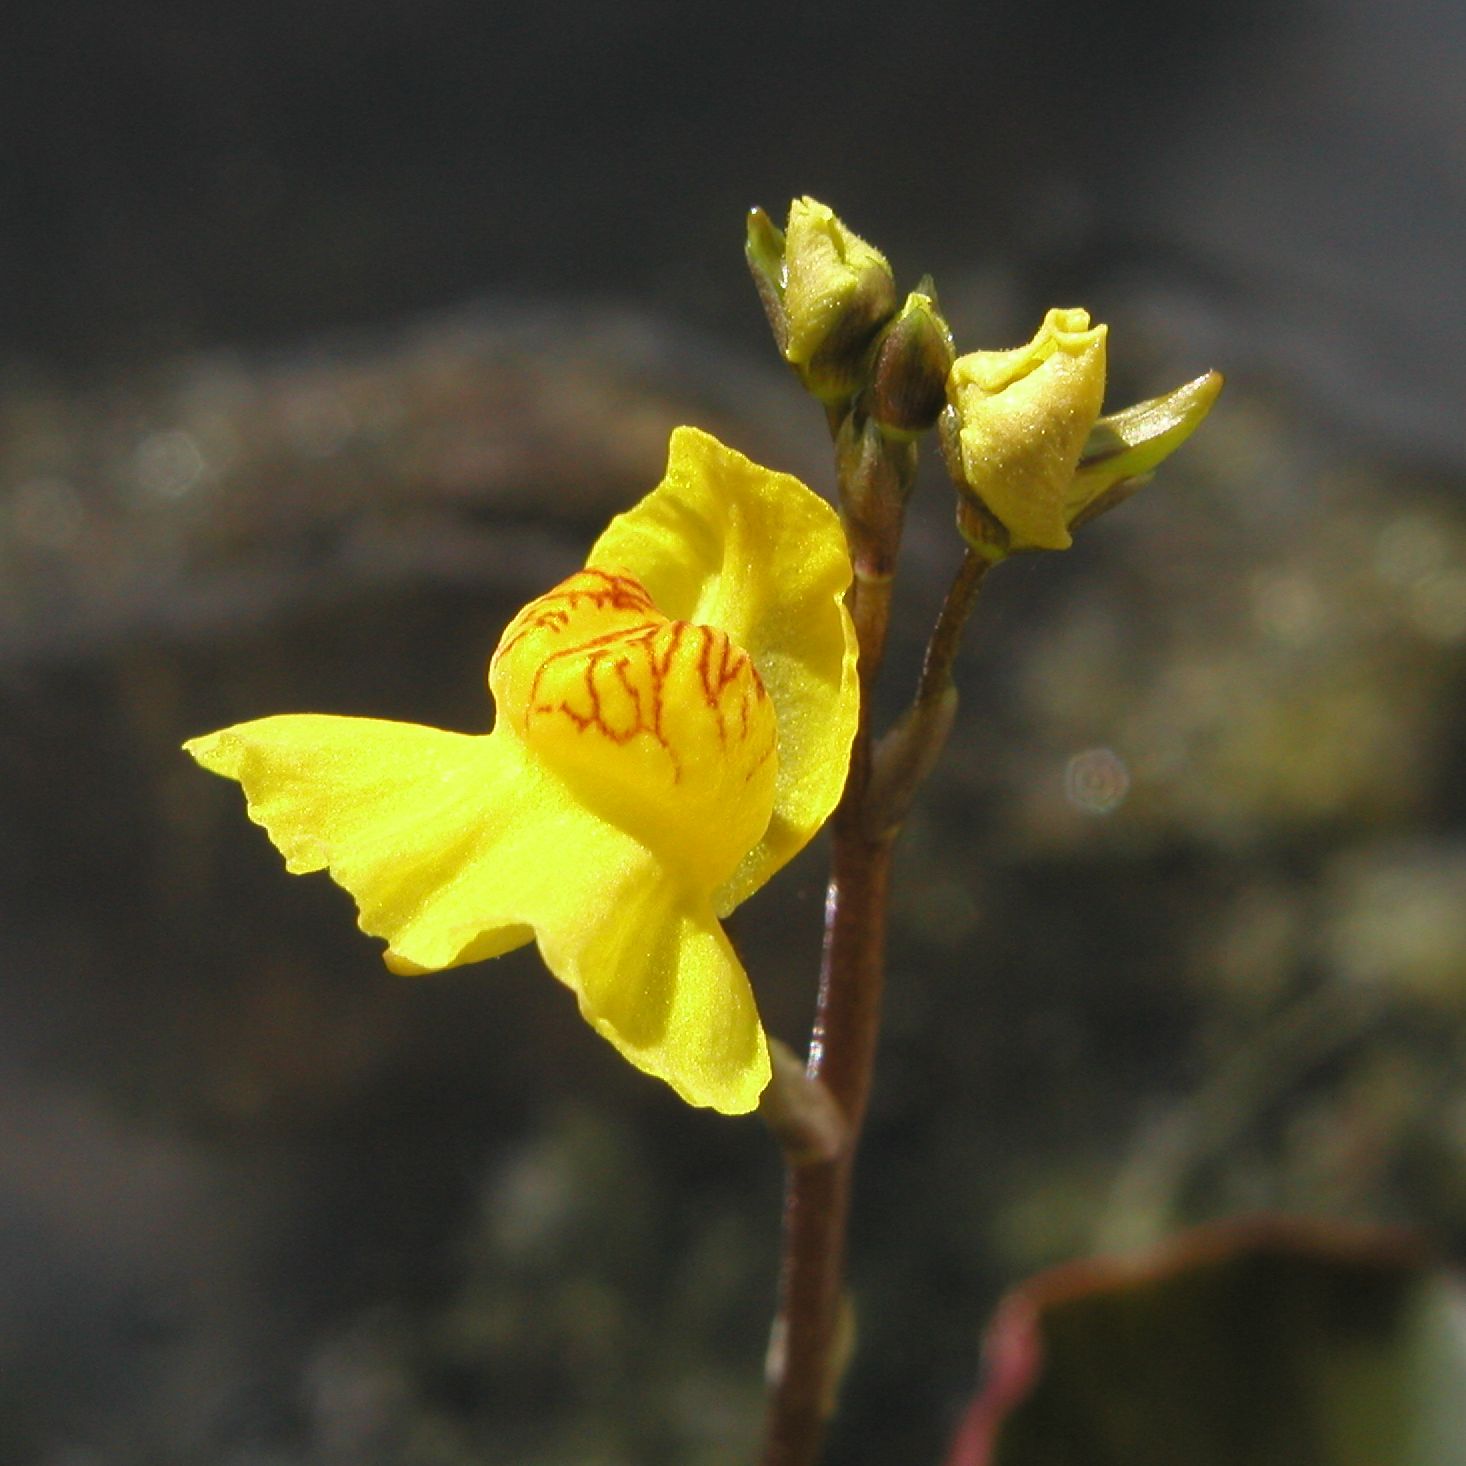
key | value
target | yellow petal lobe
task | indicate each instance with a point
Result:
(657, 977)
(459, 848)
(404, 818)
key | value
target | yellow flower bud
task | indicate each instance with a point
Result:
(1017, 422)
(826, 292)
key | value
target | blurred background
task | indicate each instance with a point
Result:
(331, 333)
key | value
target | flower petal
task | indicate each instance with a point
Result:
(725, 543)
(458, 848)
(656, 975)
(435, 834)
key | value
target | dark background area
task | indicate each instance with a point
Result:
(331, 333)
(182, 176)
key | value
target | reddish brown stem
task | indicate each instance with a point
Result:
(842, 1057)
(806, 1361)
(941, 650)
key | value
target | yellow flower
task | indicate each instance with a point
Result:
(673, 725)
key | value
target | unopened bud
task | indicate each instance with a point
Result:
(1015, 426)
(908, 378)
(826, 293)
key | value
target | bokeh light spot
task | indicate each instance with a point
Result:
(1096, 781)
(168, 464)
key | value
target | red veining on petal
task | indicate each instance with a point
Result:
(616, 652)
(552, 611)
(645, 675)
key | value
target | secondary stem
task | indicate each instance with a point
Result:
(907, 754)
(941, 650)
